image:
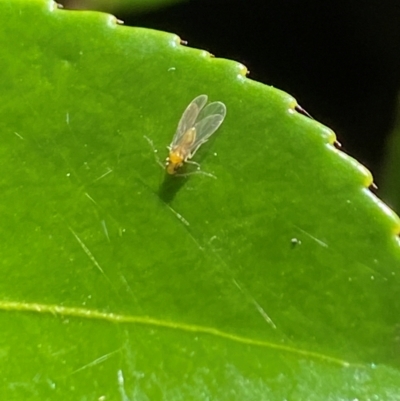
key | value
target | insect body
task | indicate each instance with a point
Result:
(195, 127)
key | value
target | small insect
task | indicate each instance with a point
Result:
(195, 127)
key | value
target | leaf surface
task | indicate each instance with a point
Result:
(277, 279)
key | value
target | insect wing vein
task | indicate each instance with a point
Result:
(188, 118)
(209, 121)
(213, 108)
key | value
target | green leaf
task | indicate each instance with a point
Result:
(278, 279)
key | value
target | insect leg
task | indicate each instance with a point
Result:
(196, 172)
(194, 163)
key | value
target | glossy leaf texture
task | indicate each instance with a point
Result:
(278, 278)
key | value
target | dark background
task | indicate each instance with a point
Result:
(340, 61)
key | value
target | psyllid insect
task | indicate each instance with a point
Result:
(195, 127)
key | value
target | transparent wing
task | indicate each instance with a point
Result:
(209, 120)
(189, 118)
